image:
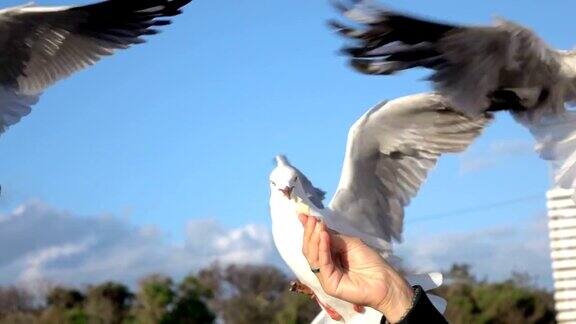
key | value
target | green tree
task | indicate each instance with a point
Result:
(65, 298)
(460, 273)
(190, 306)
(64, 305)
(253, 294)
(296, 309)
(515, 300)
(64, 316)
(508, 303)
(108, 303)
(155, 296)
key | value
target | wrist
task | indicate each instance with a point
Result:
(398, 300)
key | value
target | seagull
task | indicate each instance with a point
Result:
(476, 67)
(389, 152)
(41, 45)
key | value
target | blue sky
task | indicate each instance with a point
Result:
(185, 127)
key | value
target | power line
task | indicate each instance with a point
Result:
(474, 209)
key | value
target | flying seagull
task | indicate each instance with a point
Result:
(476, 66)
(41, 45)
(389, 152)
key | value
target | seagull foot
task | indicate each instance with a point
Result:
(300, 288)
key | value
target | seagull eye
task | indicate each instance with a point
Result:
(273, 183)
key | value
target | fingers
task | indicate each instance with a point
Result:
(318, 252)
(314, 245)
(325, 254)
(313, 230)
(330, 274)
(309, 226)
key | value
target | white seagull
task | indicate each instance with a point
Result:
(476, 66)
(41, 45)
(389, 152)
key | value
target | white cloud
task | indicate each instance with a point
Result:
(493, 253)
(39, 243)
(496, 152)
(36, 261)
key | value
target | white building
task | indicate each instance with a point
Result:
(562, 226)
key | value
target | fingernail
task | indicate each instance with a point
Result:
(302, 218)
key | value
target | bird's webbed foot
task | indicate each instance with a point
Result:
(300, 288)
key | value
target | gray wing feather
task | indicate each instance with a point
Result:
(481, 60)
(41, 45)
(389, 153)
(469, 63)
(13, 107)
(315, 195)
(556, 143)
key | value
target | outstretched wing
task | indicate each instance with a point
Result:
(556, 143)
(469, 63)
(388, 155)
(41, 45)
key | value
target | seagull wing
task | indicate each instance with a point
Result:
(555, 137)
(469, 63)
(388, 155)
(41, 45)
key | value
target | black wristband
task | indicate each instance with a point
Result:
(422, 310)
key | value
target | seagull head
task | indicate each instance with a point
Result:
(284, 179)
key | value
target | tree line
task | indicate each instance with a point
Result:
(242, 294)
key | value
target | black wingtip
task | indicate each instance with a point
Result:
(360, 65)
(161, 22)
(335, 24)
(352, 51)
(345, 31)
(120, 23)
(177, 4)
(365, 66)
(138, 41)
(339, 6)
(151, 32)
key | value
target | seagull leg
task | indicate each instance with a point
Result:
(300, 288)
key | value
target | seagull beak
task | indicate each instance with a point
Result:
(287, 191)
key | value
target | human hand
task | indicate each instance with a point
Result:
(352, 271)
